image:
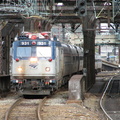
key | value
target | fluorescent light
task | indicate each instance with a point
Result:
(59, 4)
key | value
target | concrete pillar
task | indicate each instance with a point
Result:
(76, 87)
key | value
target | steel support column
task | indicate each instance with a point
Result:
(5, 44)
(119, 55)
(0, 49)
(89, 51)
(4, 78)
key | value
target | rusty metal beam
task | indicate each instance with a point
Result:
(68, 11)
(71, 8)
(7, 29)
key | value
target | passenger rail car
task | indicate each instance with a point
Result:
(40, 65)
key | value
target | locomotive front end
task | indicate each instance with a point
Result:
(34, 63)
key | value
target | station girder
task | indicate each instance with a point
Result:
(49, 9)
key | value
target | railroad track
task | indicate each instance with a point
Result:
(25, 109)
(110, 100)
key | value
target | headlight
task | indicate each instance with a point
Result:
(33, 60)
(19, 69)
(47, 69)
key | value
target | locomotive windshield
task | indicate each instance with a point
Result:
(23, 51)
(34, 51)
(43, 52)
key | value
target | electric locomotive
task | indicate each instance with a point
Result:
(41, 64)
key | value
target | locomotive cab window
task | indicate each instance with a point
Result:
(43, 51)
(23, 51)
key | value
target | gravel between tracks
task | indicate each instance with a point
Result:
(58, 107)
(5, 103)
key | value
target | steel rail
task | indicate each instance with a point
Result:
(40, 108)
(10, 109)
(104, 93)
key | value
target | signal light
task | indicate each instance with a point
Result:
(50, 60)
(20, 82)
(33, 37)
(46, 83)
(82, 3)
(17, 59)
(82, 11)
(33, 43)
(81, 8)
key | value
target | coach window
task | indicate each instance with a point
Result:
(43, 52)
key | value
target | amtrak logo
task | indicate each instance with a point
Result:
(34, 66)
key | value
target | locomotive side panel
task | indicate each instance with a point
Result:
(66, 60)
(74, 62)
(59, 65)
(80, 58)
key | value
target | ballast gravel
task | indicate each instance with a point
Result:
(59, 107)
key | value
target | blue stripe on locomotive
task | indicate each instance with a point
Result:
(53, 45)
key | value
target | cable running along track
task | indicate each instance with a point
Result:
(110, 100)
